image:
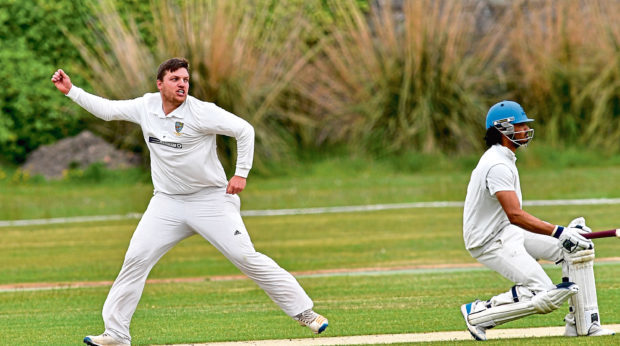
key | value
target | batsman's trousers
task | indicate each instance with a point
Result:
(169, 219)
(514, 254)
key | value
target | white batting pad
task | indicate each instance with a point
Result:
(541, 303)
(584, 304)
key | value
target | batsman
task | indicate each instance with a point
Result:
(501, 235)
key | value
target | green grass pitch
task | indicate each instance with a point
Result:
(239, 310)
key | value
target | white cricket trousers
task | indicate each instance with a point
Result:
(169, 219)
(514, 254)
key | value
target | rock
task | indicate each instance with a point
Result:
(80, 151)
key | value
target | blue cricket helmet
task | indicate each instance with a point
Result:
(506, 111)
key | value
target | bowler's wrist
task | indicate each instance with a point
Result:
(73, 90)
(242, 172)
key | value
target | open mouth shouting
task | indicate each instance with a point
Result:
(174, 89)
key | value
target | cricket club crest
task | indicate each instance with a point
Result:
(178, 126)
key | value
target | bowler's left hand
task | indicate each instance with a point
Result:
(235, 185)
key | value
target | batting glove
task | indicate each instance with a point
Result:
(580, 224)
(570, 240)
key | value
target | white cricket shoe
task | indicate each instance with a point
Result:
(312, 320)
(595, 329)
(103, 340)
(479, 333)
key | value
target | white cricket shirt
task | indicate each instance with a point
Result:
(182, 144)
(483, 215)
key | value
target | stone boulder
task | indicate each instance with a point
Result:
(80, 151)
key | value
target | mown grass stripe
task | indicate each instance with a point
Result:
(414, 270)
(65, 220)
(308, 211)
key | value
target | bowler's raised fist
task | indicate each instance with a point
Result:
(62, 81)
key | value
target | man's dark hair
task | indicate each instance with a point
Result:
(171, 65)
(493, 136)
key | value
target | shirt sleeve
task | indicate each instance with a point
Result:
(216, 120)
(106, 109)
(500, 178)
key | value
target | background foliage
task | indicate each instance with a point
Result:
(390, 85)
(370, 77)
(565, 66)
(33, 44)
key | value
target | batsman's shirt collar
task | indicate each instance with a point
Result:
(155, 107)
(506, 152)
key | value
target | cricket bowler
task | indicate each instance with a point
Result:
(505, 238)
(191, 195)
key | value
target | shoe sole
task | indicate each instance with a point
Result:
(322, 328)
(603, 333)
(470, 328)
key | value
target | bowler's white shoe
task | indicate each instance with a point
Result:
(479, 333)
(595, 329)
(312, 320)
(103, 340)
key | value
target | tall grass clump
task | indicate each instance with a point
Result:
(565, 61)
(119, 65)
(243, 57)
(388, 85)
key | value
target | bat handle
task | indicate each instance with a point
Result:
(603, 234)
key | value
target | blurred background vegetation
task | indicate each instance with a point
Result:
(403, 80)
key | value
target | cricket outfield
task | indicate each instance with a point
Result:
(371, 273)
